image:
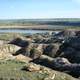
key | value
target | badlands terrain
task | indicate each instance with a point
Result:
(40, 56)
(49, 55)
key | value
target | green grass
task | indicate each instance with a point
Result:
(11, 70)
(9, 36)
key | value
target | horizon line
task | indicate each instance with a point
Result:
(37, 18)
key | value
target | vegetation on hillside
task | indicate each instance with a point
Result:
(26, 22)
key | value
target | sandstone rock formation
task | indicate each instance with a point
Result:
(8, 48)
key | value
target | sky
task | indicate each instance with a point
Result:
(33, 9)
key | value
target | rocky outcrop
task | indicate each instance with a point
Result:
(65, 34)
(19, 42)
(51, 50)
(7, 51)
(8, 48)
(34, 49)
(35, 53)
(51, 74)
(60, 56)
(70, 49)
(59, 64)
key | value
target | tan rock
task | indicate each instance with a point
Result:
(8, 48)
(22, 58)
(32, 67)
(6, 56)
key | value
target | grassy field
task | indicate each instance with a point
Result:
(9, 36)
(12, 70)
